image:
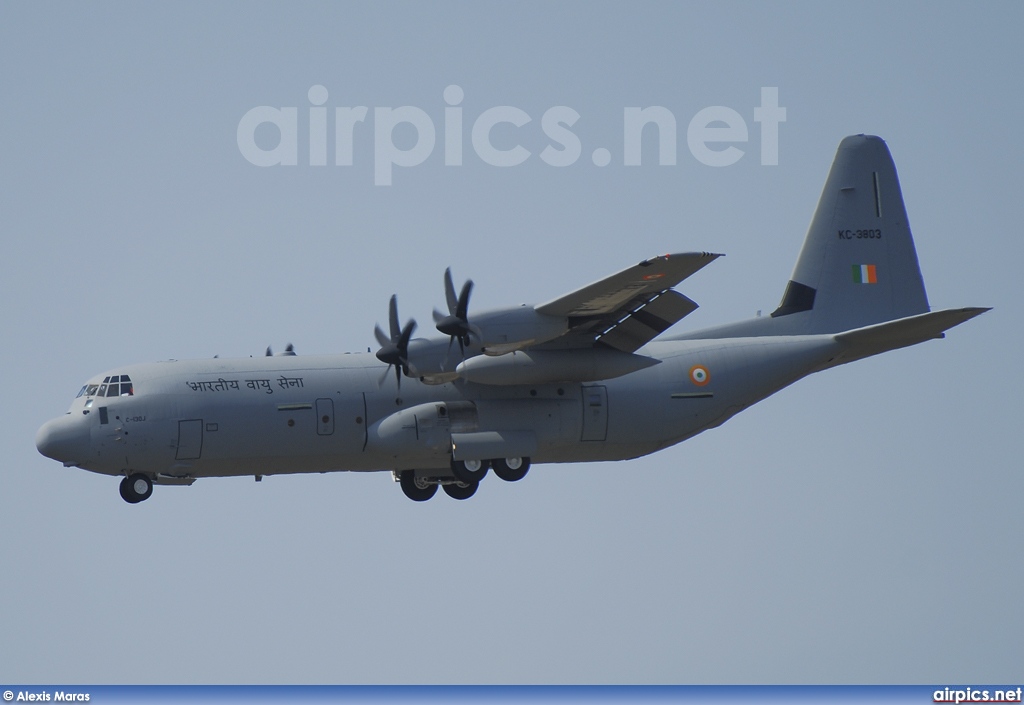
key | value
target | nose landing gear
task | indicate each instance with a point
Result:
(136, 488)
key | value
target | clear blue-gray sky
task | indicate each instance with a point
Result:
(865, 525)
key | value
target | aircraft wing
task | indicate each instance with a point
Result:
(628, 308)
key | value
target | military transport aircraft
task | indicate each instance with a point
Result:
(583, 377)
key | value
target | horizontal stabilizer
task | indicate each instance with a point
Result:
(872, 340)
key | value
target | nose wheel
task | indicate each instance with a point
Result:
(136, 488)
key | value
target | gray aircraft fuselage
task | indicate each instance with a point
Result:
(270, 415)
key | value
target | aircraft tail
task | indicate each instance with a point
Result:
(858, 265)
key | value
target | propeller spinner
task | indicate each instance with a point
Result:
(395, 350)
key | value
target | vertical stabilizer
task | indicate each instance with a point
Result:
(858, 265)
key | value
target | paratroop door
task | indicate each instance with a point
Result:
(190, 439)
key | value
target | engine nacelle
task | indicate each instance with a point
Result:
(516, 328)
(501, 332)
(551, 366)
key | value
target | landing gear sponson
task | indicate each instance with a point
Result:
(461, 479)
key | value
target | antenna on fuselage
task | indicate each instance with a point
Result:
(288, 351)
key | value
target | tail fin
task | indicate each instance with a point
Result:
(858, 265)
(857, 275)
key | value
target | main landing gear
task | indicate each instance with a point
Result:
(470, 470)
(416, 489)
(462, 478)
(136, 488)
(511, 469)
(461, 490)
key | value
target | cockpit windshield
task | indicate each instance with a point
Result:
(111, 386)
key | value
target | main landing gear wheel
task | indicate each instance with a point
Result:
(416, 490)
(136, 488)
(461, 490)
(469, 471)
(511, 469)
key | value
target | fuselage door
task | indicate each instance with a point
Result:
(190, 439)
(595, 413)
(325, 417)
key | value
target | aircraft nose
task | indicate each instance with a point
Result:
(64, 439)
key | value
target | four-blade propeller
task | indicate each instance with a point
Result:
(456, 324)
(395, 350)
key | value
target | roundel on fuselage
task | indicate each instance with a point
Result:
(699, 375)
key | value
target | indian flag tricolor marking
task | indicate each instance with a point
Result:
(865, 274)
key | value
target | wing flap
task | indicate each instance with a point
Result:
(649, 321)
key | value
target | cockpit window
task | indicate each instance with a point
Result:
(112, 386)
